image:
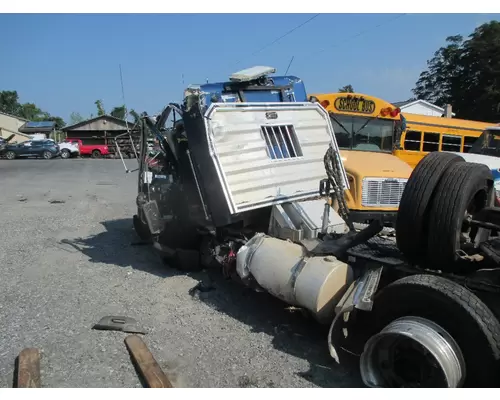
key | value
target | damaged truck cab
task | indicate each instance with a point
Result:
(250, 180)
(241, 167)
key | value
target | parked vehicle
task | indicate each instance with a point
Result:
(236, 189)
(93, 150)
(68, 149)
(486, 150)
(46, 149)
(424, 134)
(365, 129)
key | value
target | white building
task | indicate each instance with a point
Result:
(421, 107)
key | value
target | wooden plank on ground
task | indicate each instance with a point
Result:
(146, 364)
(28, 369)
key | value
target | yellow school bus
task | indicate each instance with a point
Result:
(423, 134)
(365, 128)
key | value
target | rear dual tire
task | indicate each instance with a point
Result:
(432, 209)
(413, 213)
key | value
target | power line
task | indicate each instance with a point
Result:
(358, 34)
(283, 36)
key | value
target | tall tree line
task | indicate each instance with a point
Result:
(466, 74)
(119, 112)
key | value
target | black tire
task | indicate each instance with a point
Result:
(411, 221)
(461, 185)
(10, 155)
(96, 154)
(141, 228)
(65, 154)
(180, 235)
(47, 155)
(459, 311)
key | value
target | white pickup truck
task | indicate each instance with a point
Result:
(68, 149)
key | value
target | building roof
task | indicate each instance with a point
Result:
(402, 103)
(14, 116)
(38, 127)
(408, 103)
(106, 117)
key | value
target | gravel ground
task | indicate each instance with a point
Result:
(66, 260)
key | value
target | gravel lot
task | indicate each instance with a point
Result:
(67, 259)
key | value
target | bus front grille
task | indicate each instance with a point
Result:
(382, 192)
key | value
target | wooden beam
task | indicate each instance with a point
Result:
(28, 370)
(146, 364)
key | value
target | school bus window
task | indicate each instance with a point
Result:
(431, 142)
(451, 143)
(343, 137)
(362, 133)
(468, 142)
(412, 140)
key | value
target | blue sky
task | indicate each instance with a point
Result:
(63, 63)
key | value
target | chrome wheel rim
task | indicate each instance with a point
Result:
(412, 352)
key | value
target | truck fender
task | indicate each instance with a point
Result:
(359, 296)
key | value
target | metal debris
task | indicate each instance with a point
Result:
(118, 323)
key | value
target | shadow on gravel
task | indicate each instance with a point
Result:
(119, 245)
(293, 332)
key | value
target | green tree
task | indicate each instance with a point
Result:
(119, 112)
(439, 84)
(480, 78)
(58, 120)
(31, 112)
(135, 115)
(75, 118)
(9, 102)
(466, 74)
(100, 108)
(346, 89)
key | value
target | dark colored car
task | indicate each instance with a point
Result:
(31, 148)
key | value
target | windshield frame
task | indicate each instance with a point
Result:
(358, 124)
(482, 144)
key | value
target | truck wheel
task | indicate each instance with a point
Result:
(96, 154)
(65, 153)
(10, 155)
(141, 228)
(464, 189)
(411, 222)
(431, 332)
(185, 240)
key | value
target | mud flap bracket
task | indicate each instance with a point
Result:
(359, 296)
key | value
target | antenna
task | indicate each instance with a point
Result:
(183, 86)
(290, 63)
(123, 96)
(126, 124)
